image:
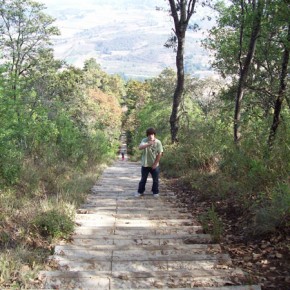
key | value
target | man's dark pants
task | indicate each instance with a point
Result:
(144, 175)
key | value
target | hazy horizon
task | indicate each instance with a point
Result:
(102, 29)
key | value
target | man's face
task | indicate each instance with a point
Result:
(151, 137)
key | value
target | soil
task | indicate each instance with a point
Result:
(266, 258)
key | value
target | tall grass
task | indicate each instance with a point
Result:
(36, 213)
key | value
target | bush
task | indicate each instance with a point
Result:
(54, 224)
(212, 224)
(275, 213)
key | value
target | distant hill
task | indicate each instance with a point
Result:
(124, 36)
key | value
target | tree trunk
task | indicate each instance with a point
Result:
(245, 66)
(181, 11)
(281, 94)
(174, 118)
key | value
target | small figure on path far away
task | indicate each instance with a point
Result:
(123, 154)
(152, 152)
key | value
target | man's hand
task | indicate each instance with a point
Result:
(146, 145)
(156, 162)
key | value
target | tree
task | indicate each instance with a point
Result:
(25, 32)
(181, 12)
(137, 95)
(282, 90)
(161, 86)
(244, 64)
(93, 74)
(256, 65)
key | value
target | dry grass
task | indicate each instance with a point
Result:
(23, 249)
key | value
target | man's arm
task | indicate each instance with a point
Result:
(157, 159)
(145, 145)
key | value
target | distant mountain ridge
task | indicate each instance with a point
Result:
(124, 36)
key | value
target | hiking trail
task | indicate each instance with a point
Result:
(124, 242)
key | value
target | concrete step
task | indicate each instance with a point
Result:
(136, 231)
(197, 248)
(74, 264)
(135, 220)
(141, 241)
(169, 254)
(144, 240)
(214, 280)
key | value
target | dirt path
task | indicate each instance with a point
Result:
(124, 242)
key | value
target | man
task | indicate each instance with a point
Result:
(152, 152)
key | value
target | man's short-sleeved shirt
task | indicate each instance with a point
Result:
(149, 154)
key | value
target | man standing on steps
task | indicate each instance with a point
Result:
(152, 152)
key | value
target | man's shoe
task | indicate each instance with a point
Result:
(137, 194)
(156, 195)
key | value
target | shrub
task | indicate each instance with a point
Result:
(212, 224)
(54, 224)
(275, 213)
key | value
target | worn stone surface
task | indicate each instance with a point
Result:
(124, 242)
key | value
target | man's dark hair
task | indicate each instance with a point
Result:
(150, 131)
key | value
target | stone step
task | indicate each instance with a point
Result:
(90, 264)
(171, 218)
(141, 240)
(214, 280)
(193, 248)
(101, 219)
(145, 207)
(137, 231)
(145, 212)
(149, 253)
(72, 264)
(186, 219)
(138, 227)
(141, 253)
(159, 213)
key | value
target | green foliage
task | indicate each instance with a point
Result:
(212, 224)
(172, 164)
(4, 238)
(161, 88)
(10, 165)
(54, 224)
(274, 213)
(230, 38)
(55, 135)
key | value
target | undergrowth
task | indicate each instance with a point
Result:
(34, 215)
(212, 224)
(245, 177)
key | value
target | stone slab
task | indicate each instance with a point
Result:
(142, 280)
(197, 248)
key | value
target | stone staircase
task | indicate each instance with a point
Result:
(124, 242)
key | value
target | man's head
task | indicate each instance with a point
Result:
(150, 131)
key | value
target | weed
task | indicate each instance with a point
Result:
(275, 212)
(53, 224)
(4, 238)
(212, 224)
(19, 268)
